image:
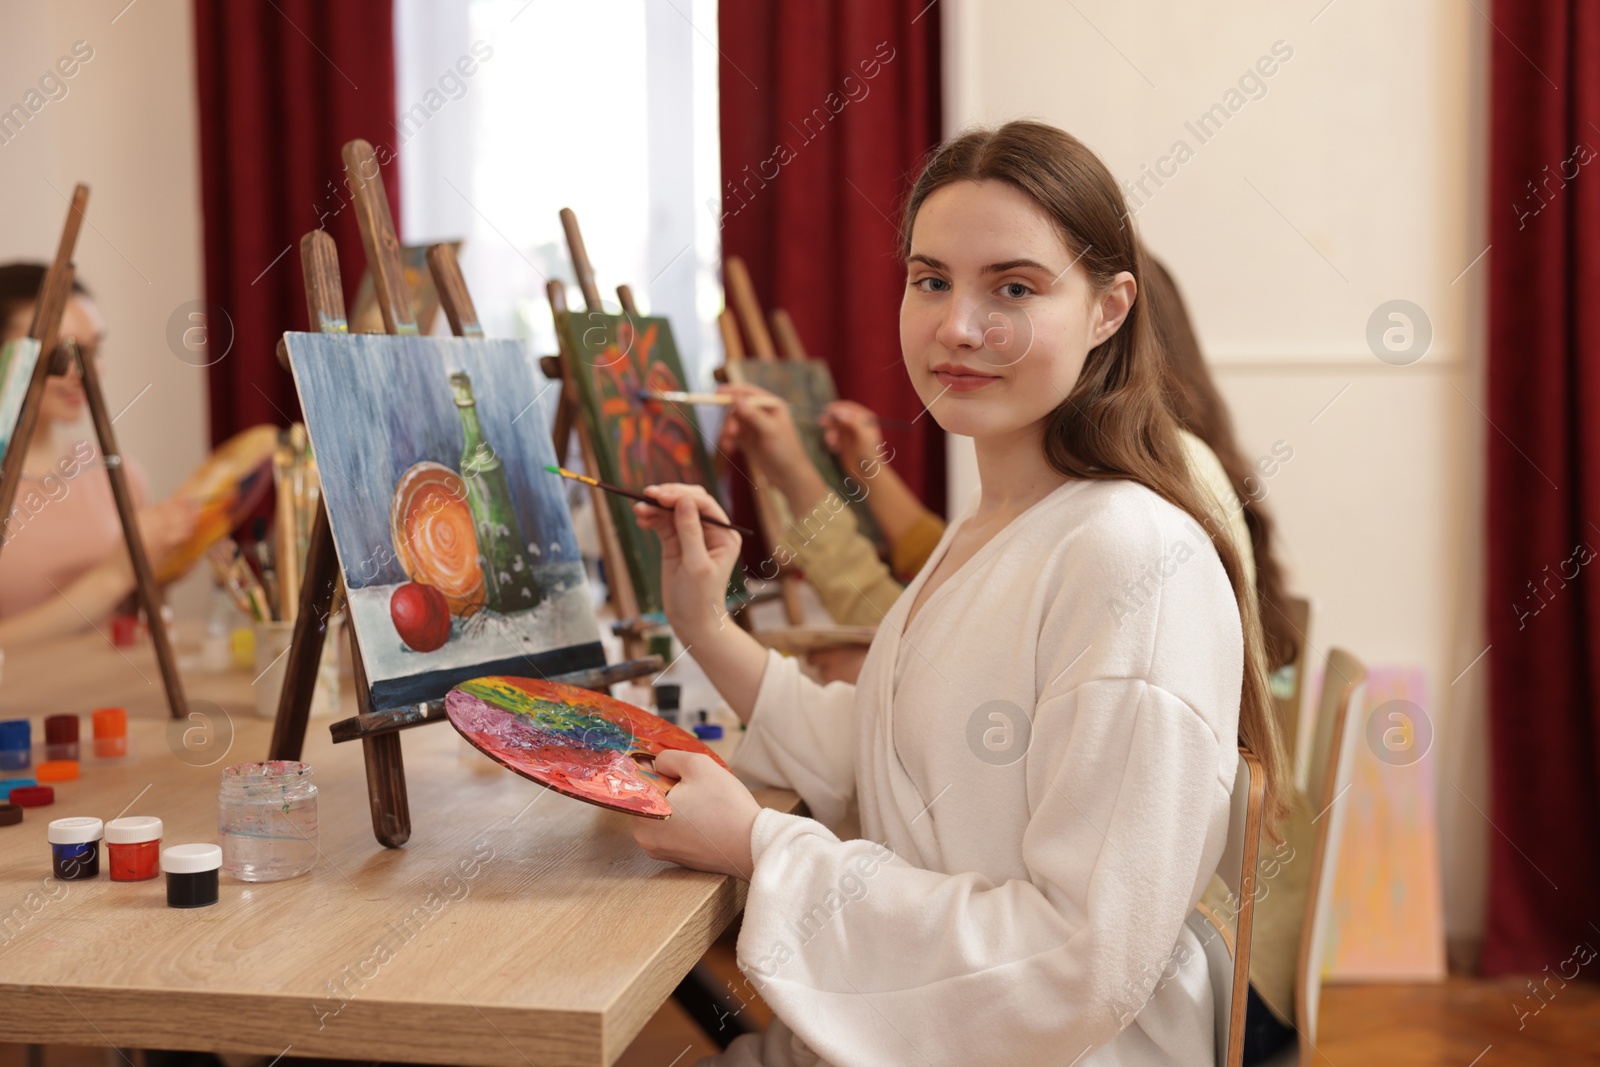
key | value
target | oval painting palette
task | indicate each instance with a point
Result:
(582, 744)
(226, 489)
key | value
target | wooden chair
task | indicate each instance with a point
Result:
(1227, 947)
(1333, 748)
(1289, 706)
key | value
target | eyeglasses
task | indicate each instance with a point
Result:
(69, 353)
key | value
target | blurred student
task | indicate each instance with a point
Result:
(64, 566)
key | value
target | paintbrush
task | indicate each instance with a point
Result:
(630, 494)
(222, 567)
(240, 581)
(678, 396)
(666, 396)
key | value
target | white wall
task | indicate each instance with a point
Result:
(128, 127)
(1355, 177)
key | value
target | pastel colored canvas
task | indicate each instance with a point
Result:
(1388, 901)
(581, 743)
(456, 545)
(17, 360)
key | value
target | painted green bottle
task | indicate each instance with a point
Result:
(507, 579)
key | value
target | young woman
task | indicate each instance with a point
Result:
(1043, 739)
(64, 567)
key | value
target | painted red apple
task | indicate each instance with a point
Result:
(421, 616)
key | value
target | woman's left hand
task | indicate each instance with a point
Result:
(712, 817)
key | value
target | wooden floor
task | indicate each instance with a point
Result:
(1463, 1022)
(1459, 1023)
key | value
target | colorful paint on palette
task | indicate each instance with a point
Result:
(580, 743)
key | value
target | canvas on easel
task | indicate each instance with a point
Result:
(607, 360)
(805, 384)
(17, 360)
(365, 317)
(27, 366)
(456, 547)
(636, 444)
(434, 542)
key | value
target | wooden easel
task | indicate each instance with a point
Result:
(378, 731)
(48, 310)
(741, 295)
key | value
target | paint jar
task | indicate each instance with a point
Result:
(267, 817)
(16, 745)
(75, 847)
(191, 872)
(669, 698)
(133, 848)
(111, 733)
(10, 814)
(61, 737)
(33, 796)
(8, 784)
(57, 770)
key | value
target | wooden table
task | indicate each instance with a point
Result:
(517, 927)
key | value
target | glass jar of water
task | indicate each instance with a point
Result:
(267, 820)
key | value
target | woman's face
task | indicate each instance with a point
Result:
(998, 316)
(80, 323)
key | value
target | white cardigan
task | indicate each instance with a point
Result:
(1043, 797)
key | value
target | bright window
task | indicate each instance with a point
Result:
(608, 107)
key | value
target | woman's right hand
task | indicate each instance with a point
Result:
(760, 424)
(696, 558)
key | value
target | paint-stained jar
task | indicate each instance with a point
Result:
(267, 820)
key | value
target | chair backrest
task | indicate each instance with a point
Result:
(1328, 779)
(1226, 939)
(1297, 612)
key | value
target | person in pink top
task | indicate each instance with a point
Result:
(64, 567)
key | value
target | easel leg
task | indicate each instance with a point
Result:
(144, 575)
(305, 650)
(386, 789)
(386, 769)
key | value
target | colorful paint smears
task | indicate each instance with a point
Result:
(580, 743)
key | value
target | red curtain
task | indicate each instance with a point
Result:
(828, 108)
(1544, 484)
(283, 84)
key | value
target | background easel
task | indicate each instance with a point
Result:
(619, 580)
(48, 310)
(741, 301)
(378, 731)
(625, 603)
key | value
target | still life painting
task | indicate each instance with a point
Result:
(457, 549)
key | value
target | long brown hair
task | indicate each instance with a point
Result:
(1199, 409)
(1115, 422)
